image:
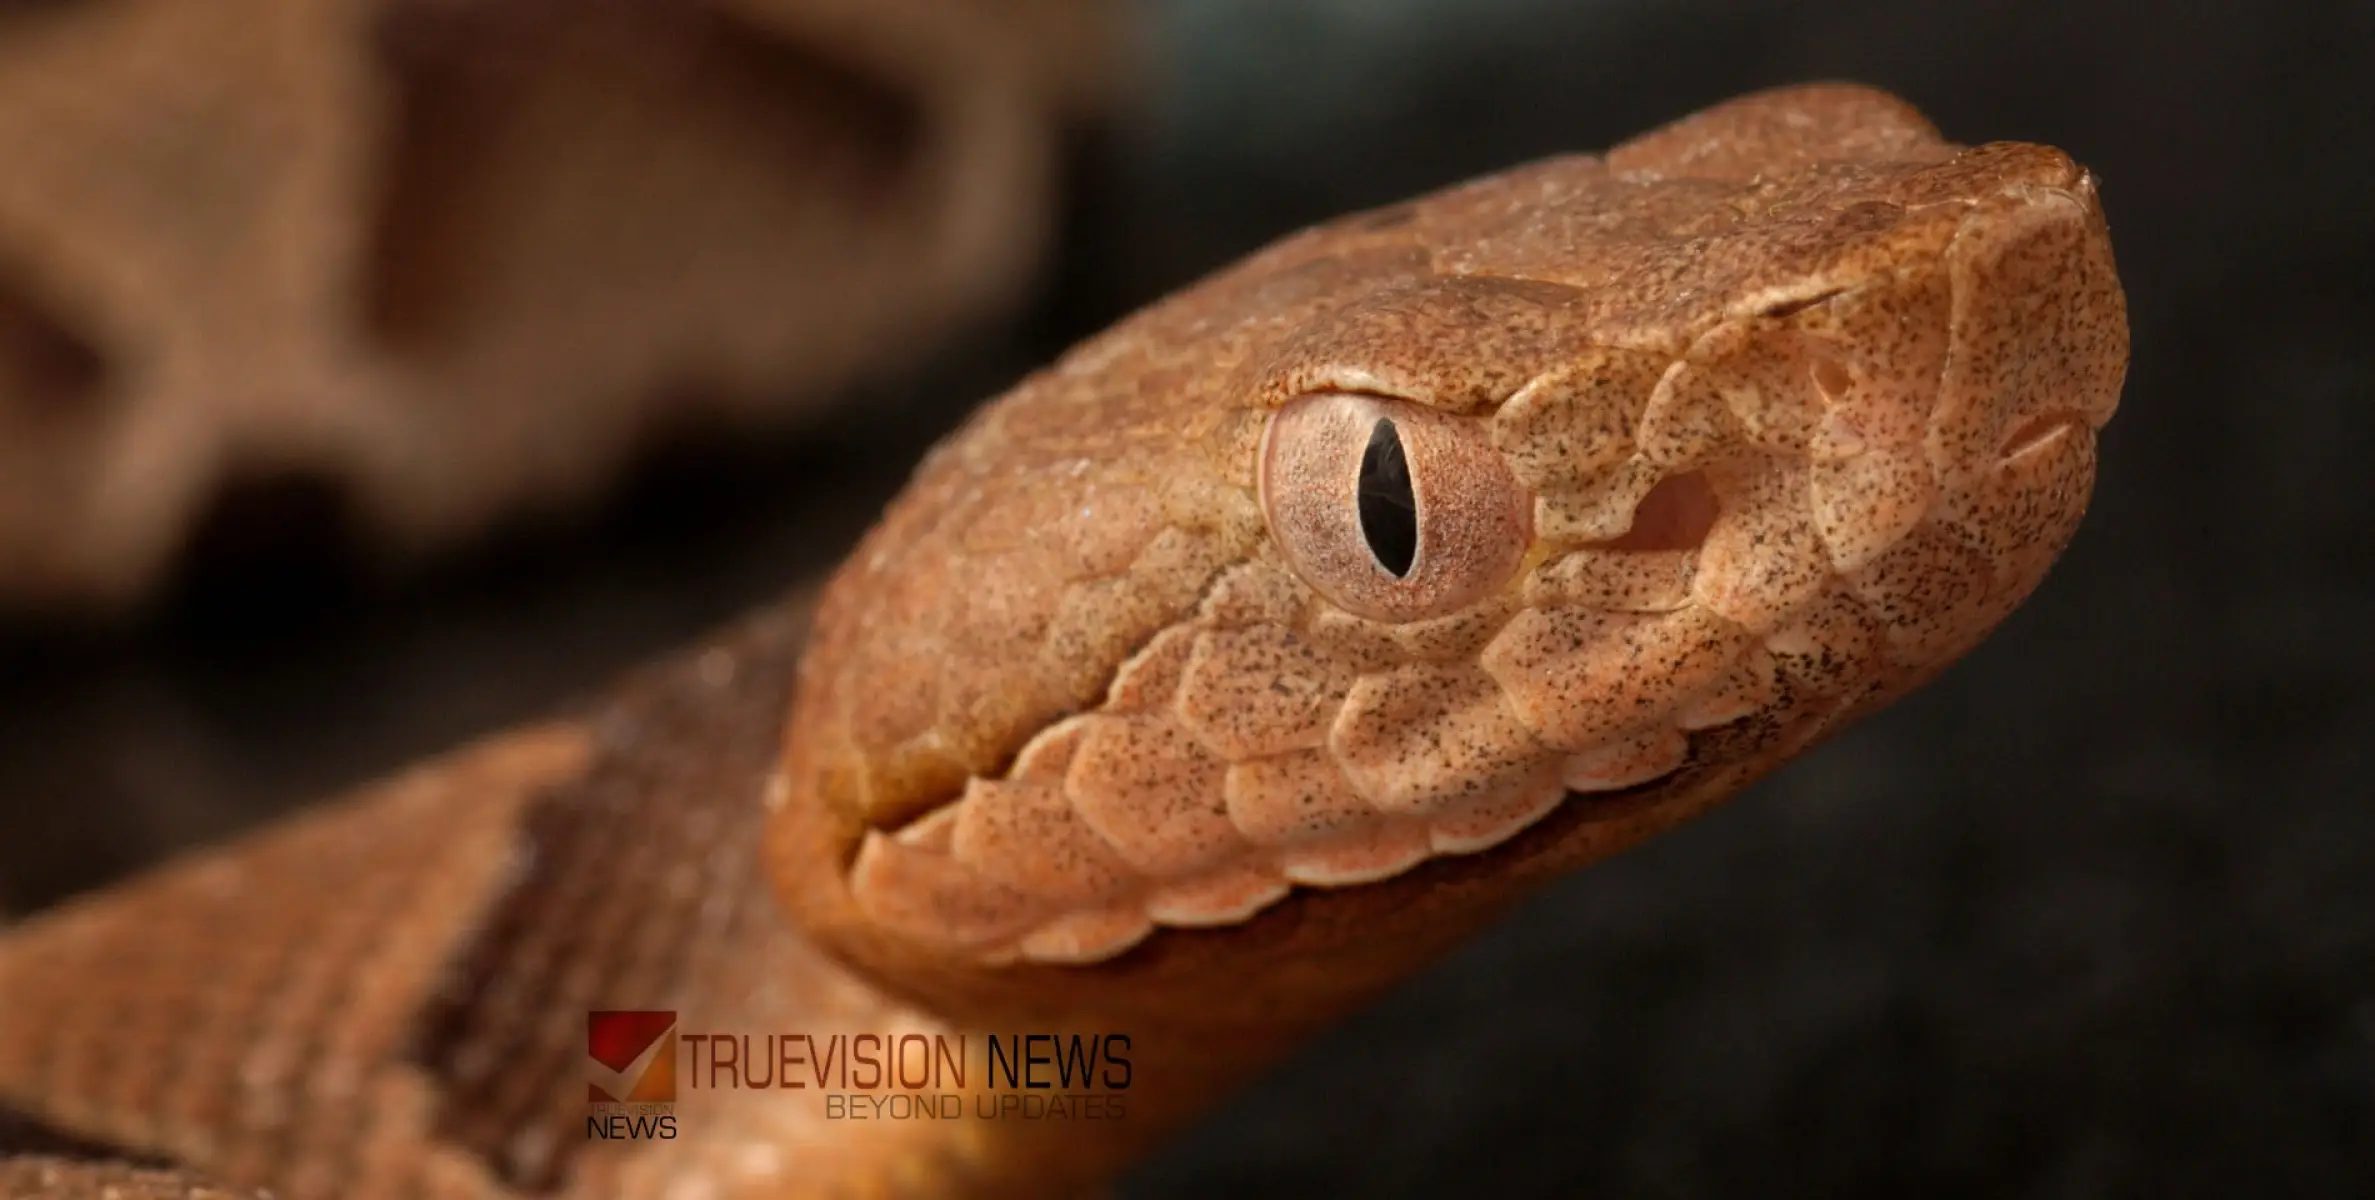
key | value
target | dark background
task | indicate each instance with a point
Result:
(2093, 915)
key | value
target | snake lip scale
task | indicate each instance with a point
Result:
(1240, 663)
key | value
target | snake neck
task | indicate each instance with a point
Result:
(636, 886)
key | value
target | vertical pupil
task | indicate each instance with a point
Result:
(1389, 512)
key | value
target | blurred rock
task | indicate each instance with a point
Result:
(448, 259)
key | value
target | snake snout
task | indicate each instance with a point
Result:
(2036, 356)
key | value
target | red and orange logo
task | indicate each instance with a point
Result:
(631, 1056)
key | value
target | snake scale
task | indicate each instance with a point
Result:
(1212, 679)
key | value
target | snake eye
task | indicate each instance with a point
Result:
(1389, 510)
(1395, 511)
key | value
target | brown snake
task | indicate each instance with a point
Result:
(1200, 687)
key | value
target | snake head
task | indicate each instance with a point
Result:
(1268, 642)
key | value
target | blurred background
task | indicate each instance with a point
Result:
(395, 370)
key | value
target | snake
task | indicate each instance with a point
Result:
(1215, 677)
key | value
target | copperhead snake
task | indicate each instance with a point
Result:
(1200, 687)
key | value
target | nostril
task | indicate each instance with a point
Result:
(2032, 433)
(1674, 515)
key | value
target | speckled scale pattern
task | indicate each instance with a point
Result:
(1841, 338)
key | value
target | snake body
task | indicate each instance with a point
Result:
(1233, 667)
